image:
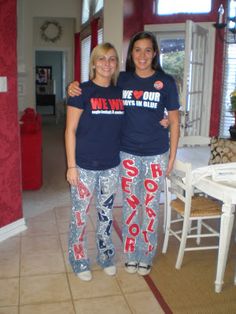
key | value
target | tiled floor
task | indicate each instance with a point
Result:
(35, 276)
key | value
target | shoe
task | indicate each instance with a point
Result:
(110, 270)
(144, 269)
(85, 275)
(131, 267)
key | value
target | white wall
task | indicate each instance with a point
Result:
(28, 40)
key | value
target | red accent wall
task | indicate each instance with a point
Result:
(139, 13)
(133, 21)
(10, 174)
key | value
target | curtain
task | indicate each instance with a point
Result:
(217, 88)
(94, 33)
(77, 57)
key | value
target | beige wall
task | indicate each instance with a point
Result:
(113, 25)
(28, 11)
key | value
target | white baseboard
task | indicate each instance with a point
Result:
(12, 229)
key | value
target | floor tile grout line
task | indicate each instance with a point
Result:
(148, 280)
(65, 266)
(124, 296)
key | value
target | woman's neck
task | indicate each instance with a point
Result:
(102, 82)
(144, 74)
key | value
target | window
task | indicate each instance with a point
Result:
(100, 35)
(85, 55)
(172, 49)
(165, 7)
(90, 8)
(229, 83)
(229, 79)
(85, 11)
(99, 5)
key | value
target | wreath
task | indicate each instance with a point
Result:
(51, 31)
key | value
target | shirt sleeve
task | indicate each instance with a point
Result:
(76, 101)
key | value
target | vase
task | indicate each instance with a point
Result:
(232, 131)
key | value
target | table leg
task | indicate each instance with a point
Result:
(226, 227)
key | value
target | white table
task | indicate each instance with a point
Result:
(221, 190)
(225, 192)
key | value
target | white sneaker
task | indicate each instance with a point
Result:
(131, 267)
(143, 269)
(110, 270)
(85, 275)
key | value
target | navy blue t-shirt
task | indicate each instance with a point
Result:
(145, 100)
(99, 129)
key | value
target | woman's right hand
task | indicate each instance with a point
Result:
(72, 176)
(74, 89)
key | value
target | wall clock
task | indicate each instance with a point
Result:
(51, 31)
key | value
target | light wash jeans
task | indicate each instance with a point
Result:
(142, 180)
(104, 183)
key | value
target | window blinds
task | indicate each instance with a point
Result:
(229, 84)
(85, 54)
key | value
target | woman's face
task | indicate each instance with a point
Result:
(106, 65)
(143, 55)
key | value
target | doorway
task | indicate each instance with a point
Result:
(50, 90)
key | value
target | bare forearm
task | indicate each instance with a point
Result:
(174, 138)
(70, 142)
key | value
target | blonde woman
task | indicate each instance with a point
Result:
(92, 138)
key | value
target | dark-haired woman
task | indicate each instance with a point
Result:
(147, 154)
(148, 149)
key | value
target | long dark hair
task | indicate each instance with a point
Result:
(130, 66)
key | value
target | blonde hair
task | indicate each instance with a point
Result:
(99, 51)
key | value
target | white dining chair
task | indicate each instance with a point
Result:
(193, 141)
(186, 208)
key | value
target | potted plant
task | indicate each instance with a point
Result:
(232, 129)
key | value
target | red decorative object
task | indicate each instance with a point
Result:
(31, 150)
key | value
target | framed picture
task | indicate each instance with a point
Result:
(43, 74)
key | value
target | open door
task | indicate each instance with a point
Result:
(193, 98)
(187, 53)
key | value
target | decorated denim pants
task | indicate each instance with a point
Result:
(142, 181)
(104, 185)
